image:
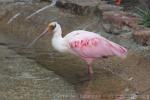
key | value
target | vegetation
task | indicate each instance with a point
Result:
(145, 16)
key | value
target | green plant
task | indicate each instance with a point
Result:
(145, 16)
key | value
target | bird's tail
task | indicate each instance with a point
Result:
(118, 50)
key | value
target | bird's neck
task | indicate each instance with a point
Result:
(57, 33)
(58, 41)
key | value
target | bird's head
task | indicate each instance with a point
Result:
(52, 27)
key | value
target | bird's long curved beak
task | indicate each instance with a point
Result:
(38, 37)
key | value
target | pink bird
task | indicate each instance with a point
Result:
(87, 45)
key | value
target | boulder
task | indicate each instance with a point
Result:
(80, 7)
(142, 36)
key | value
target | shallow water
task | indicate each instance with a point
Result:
(113, 77)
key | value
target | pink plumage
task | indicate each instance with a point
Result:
(87, 45)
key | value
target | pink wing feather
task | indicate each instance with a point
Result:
(91, 45)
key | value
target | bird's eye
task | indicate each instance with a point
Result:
(53, 27)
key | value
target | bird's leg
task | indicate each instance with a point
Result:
(90, 71)
(90, 74)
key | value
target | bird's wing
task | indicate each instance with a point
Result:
(91, 45)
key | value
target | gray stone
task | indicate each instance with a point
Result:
(7, 0)
(80, 7)
(14, 1)
(24, 79)
(108, 7)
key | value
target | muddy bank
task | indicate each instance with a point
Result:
(24, 79)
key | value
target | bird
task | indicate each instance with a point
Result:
(89, 46)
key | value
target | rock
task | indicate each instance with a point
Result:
(80, 7)
(3, 14)
(6, 1)
(14, 1)
(115, 20)
(113, 17)
(107, 27)
(125, 36)
(126, 29)
(108, 7)
(46, 0)
(120, 18)
(24, 79)
(82, 2)
(112, 28)
(142, 36)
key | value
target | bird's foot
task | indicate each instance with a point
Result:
(87, 79)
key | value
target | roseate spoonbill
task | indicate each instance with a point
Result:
(87, 45)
